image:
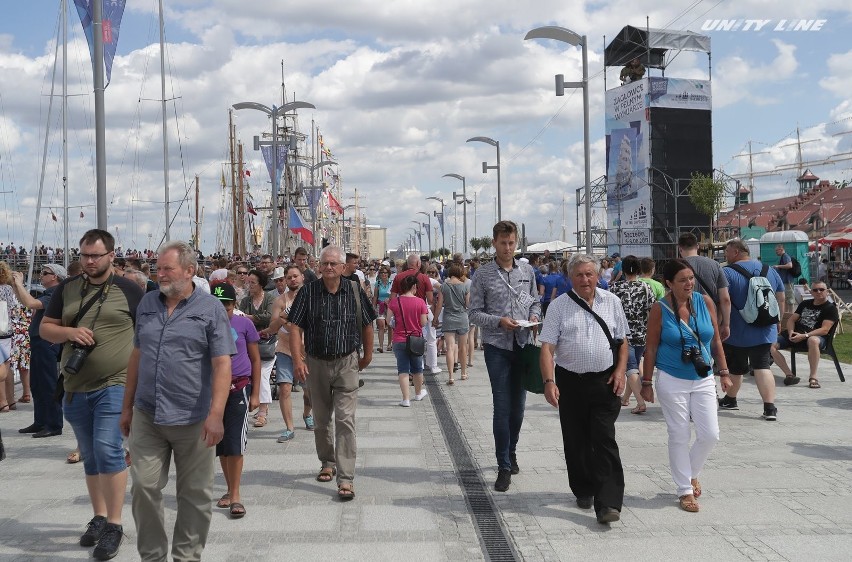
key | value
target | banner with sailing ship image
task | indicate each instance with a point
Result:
(628, 195)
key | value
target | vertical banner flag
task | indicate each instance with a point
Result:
(440, 220)
(297, 225)
(111, 21)
(313, 195)
(428, 234)
(266, 150)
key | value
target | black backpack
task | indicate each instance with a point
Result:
(796, 270)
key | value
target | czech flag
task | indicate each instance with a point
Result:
(297, 225)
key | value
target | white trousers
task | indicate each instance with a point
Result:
(431, 357)
(681, 400)
(265, 396)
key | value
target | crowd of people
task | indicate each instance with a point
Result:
(153, 371)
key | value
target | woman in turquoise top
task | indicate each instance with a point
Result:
(381, 294)
(682, 333)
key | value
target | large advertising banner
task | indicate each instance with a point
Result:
(679, 93)
(628, 195)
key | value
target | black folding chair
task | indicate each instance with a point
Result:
(829, 350)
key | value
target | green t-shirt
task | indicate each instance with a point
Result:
(106, 364)
(656, 286)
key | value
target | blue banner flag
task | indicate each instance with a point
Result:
(266, 150)
(440, 220)
(111, 21)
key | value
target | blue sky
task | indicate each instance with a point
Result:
(398, 88)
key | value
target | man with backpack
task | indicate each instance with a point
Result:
(786, 269)
(757, 299)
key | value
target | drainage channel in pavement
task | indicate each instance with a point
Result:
(492, 536)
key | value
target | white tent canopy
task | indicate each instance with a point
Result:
(554, 246)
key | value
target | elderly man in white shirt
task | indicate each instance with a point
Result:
(591, 380)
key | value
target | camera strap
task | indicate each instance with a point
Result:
(583, 304)
(100, 295)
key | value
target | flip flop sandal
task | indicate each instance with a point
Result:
(224, 502)
(237, 510)
(73, 457)
(345, 492)
(689, 505)
(696, 488)
(464, 377)
(812, 383)
(25, 399)
(260, 421)
(638, 410)
(326, 474)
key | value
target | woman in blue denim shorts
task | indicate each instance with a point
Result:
(408, 315)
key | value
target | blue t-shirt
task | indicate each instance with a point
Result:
(549, 281)
(563, 285)
(669, 354)
(742, 334)
(243, 332)
(785, 274)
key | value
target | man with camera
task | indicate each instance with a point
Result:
(580, 329)
(178, 381)
(92, 317)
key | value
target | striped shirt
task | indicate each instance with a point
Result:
(328, 319)
(581, 345)
(494, 293)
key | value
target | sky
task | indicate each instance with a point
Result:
(398, 88)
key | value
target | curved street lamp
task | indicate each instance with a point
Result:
(428, 229)
(274, 114)
(567, 36)
(464, 206)
(441, 221)
(486, 167)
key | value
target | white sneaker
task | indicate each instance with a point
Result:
(435, 371)
(421, 395)
(405, 403)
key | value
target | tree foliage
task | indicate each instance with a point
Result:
(707, 195)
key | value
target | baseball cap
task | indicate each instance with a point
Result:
(60, 272)
(278, 273)
(224, 292)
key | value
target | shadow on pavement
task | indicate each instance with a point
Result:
(817, 451)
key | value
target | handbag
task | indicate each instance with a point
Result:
(5, 324)
(266, 346)
(531, 369)
(415, 345)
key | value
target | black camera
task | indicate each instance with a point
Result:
(79, 354)
(693, 355)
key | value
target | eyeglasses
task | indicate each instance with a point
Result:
(92, 257)
(242, 273)
(43, 273)
(330, 263)
(818, 290)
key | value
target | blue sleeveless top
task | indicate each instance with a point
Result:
(669, 353)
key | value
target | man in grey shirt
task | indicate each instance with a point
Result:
(502, 296)
(178, 380)
(709, 279)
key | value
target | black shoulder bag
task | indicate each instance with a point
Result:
(614, 344)
(415, 345)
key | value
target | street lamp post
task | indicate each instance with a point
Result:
(486, 167)
(428, 229)
(464, 206)
(441, 222)
(274, 113)
(572, 38)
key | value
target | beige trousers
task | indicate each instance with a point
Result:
(334, 390)
(151, 450)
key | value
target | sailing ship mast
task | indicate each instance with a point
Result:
(165, 125)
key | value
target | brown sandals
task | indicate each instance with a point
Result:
(688, 503)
